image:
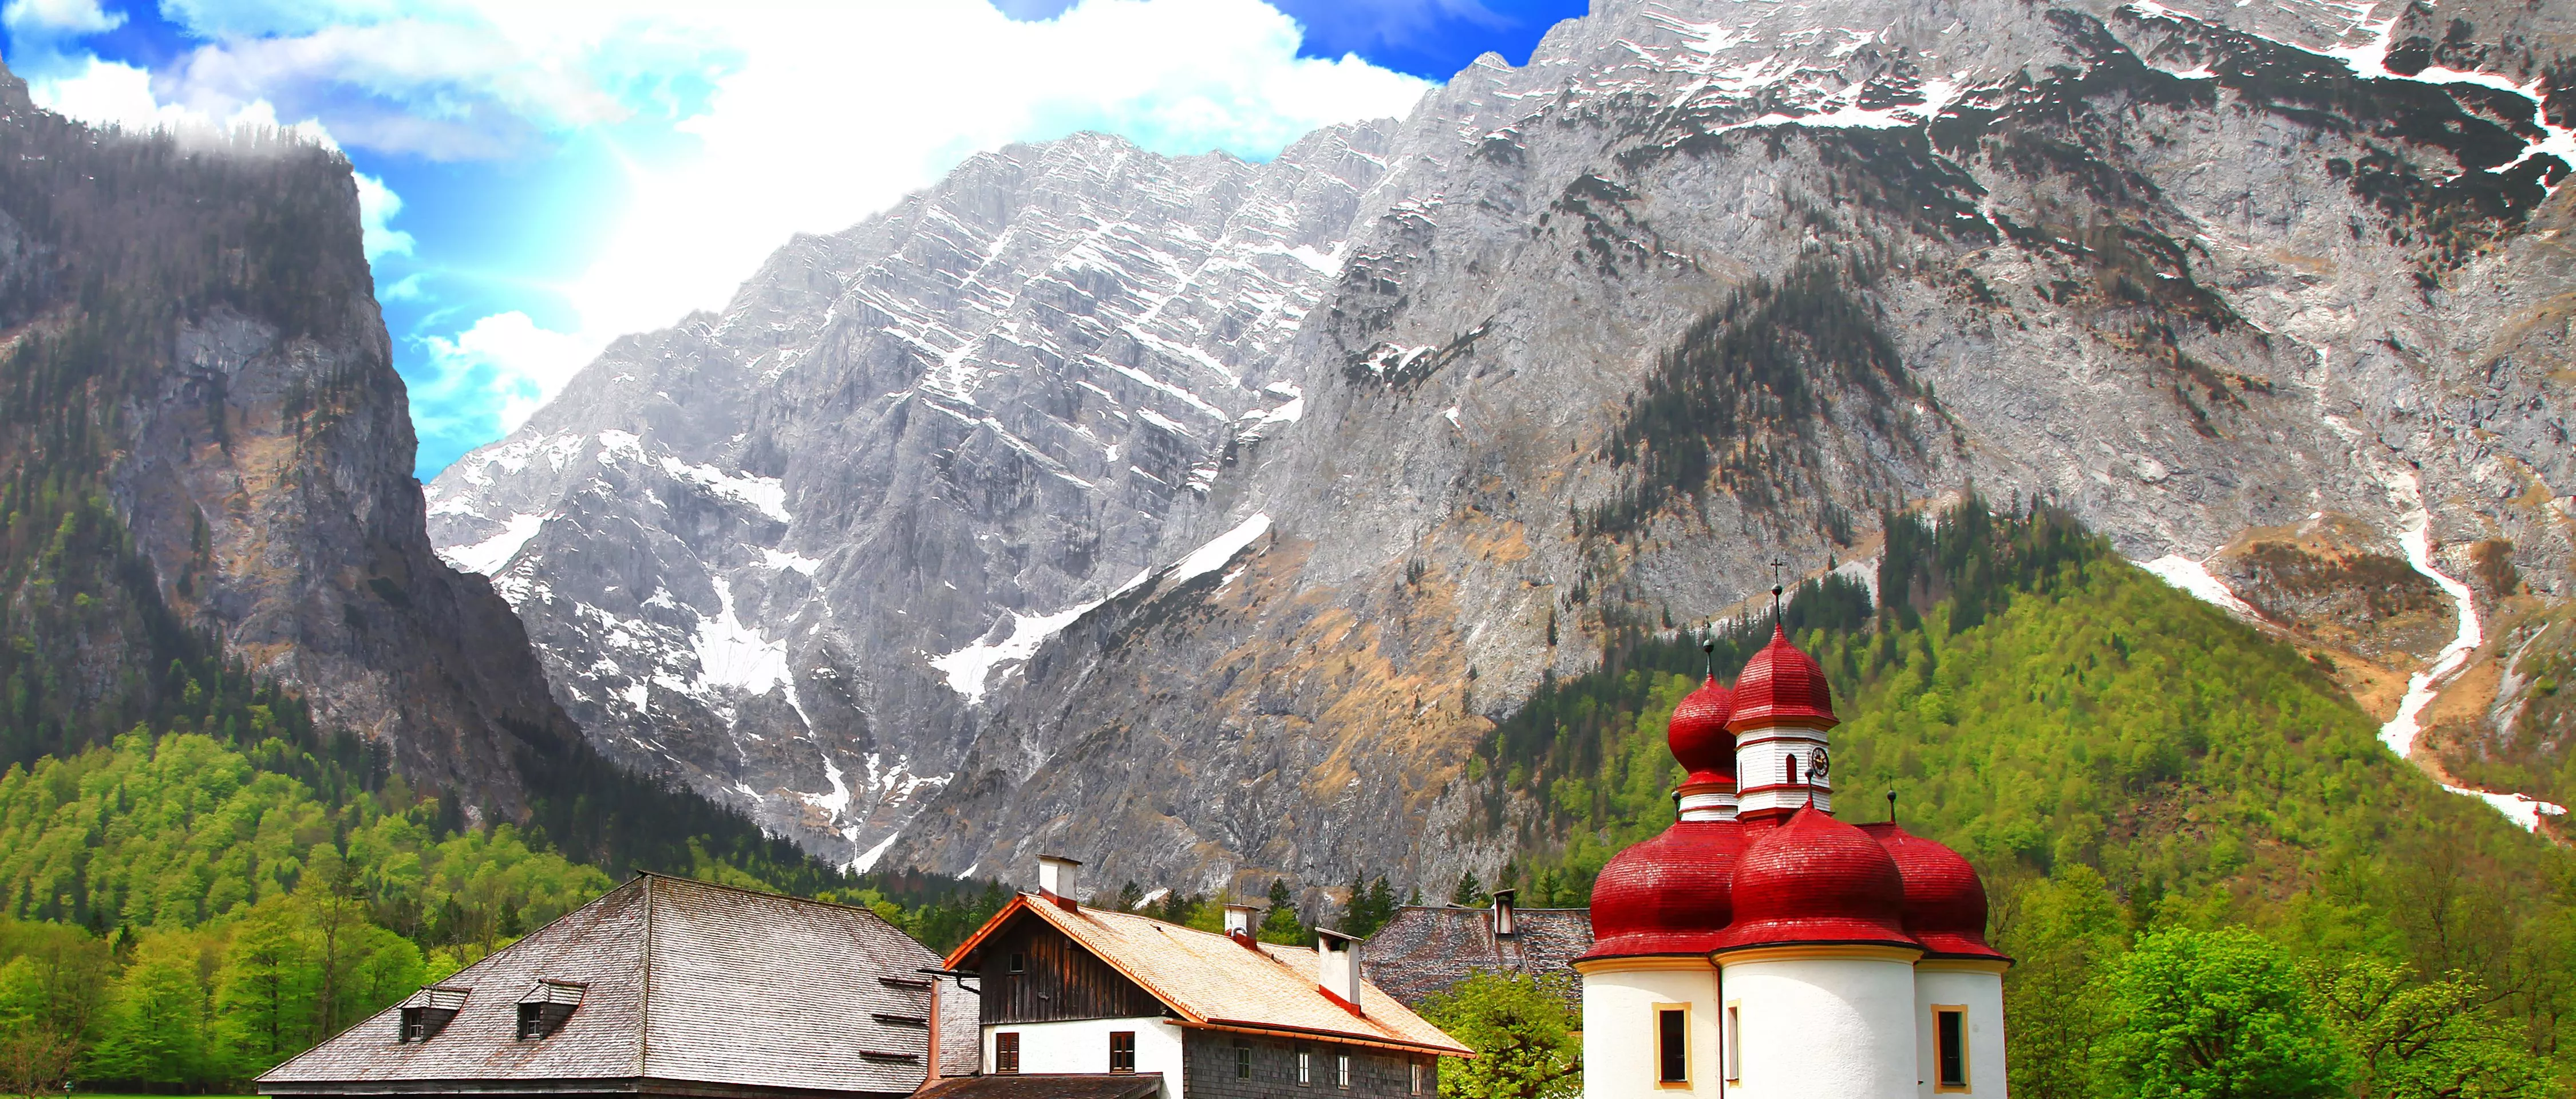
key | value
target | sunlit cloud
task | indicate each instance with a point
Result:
(734, 126)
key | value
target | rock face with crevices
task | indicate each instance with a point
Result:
(1197, 518)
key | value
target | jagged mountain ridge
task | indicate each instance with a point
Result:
(738, 543)
(2194, 275)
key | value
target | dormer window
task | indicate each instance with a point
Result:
(547, 1006)
(428, 1011)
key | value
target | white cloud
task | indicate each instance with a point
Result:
(58, 17)
(508, 356)
(377, 204)
(737, 124)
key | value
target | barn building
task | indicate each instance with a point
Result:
(666, 987)
(1425, 950)
(1089, 997)
(1759, 948)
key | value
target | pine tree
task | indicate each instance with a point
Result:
(1280, 924)
(1470, 893)
(1129, 896)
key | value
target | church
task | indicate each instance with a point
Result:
(1759, 948)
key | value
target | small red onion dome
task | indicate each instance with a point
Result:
(1698, 737)
(1815, 880)
(1945, 902)
(1782, 686)
(1666, 895)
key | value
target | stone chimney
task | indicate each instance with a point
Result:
(1238, 923)
(1337, 968)
(1056, 878)
(1505, 922)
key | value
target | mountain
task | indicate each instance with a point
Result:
(2274, 298)
(210, 522)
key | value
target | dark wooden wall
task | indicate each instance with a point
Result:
(1207, 1059)
(1062, 981)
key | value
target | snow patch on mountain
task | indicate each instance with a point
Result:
(2194, 578)
(493, 554)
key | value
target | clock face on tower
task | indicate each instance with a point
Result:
(1820, 765)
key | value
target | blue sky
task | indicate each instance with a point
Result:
(541, 176)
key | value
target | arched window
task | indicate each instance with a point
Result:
(1791, 763)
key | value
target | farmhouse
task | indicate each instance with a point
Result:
(1087, 996)
(665, 986)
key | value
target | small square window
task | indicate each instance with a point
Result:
(1305, 1068)
(1342, 1071)
(1122, 1051)
(1243, 1062)
(1006, 1052)
(1019, 962)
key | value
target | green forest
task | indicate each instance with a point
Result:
(2142, 781)
(196, 879)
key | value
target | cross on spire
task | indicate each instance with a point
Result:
(1776, 565)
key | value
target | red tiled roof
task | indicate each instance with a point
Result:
(1697, 734)
(1211, 980)
(1945, 903)
(1782, 686)
(1816, 880)
(1667, 895)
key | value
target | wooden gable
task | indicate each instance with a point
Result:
(1057, 979)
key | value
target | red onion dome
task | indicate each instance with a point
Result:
(1782, 686)
(1945, 902)
(1666, 895)
(1816, 880)
(1698, 736)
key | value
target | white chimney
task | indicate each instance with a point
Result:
(1238, 922)
(1056, 875)
(1337, 968)
(1505, 923)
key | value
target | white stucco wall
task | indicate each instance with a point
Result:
(1983, 995)
(1758, 756)
(1824, 1028)
(1083, 1046)
(1619, 1030)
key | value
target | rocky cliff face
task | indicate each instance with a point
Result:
(1579, 345)
(192, 336)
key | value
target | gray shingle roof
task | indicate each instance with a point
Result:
(736, 989)
(1424, 951)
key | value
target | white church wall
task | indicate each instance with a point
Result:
(1824, 1027)
(1761, 766)
(1978, 987)
(1619, 1003)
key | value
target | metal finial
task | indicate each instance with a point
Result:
(1708, 649)
(1891, 806)
(1776, 565)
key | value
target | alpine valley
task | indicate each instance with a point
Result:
(1206, 519)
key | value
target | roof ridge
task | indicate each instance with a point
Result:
(777, 896)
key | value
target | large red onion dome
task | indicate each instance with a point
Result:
(1698, 737)
(1782, 686)
(1945, 902)
(1667, 895)
(1815, 880)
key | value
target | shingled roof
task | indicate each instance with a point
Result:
(1210, 980)
(1424, 951)
(679, 982)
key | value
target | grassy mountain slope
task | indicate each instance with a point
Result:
(2050, 709)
